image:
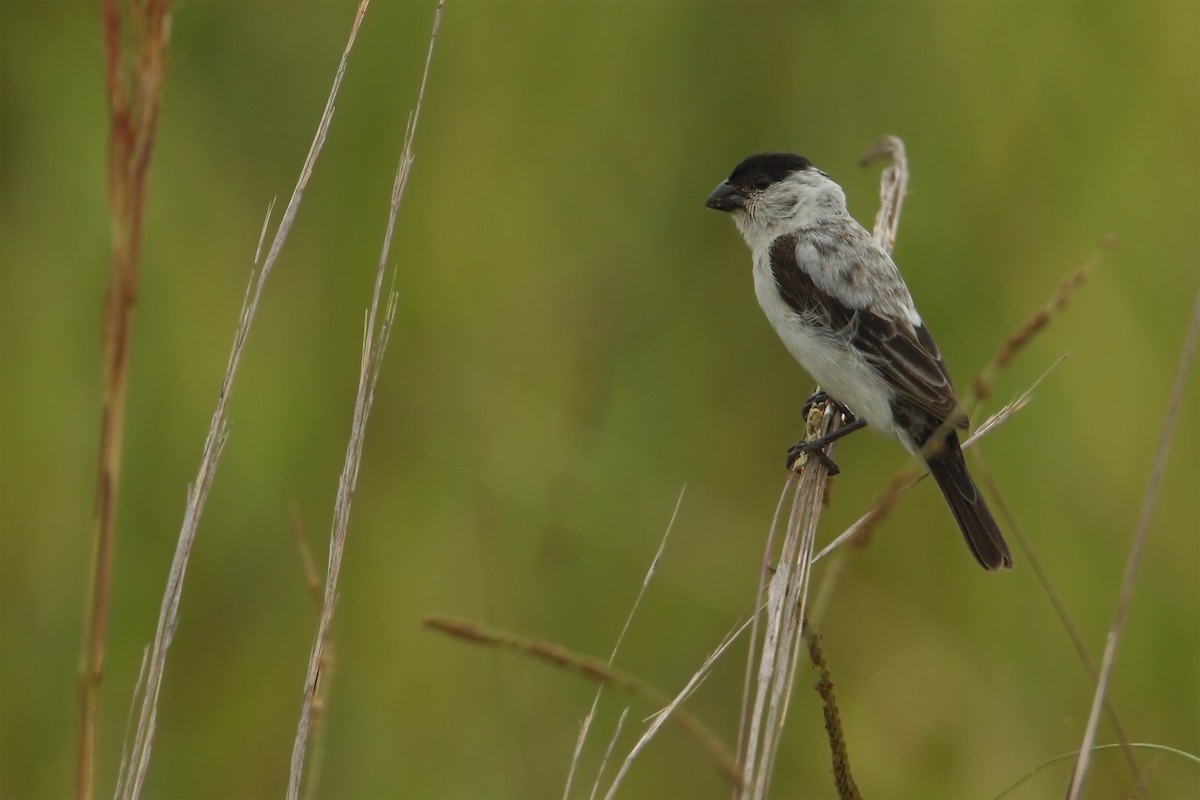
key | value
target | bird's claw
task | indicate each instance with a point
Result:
(819, 397)
(802, 448)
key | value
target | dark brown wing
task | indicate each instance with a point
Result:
(909, 361)
(907, 358)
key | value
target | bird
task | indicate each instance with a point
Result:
(841, 308)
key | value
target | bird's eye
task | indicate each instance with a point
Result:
(762, 182)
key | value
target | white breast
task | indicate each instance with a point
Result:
(840, 370)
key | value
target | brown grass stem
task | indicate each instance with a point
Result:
(1035, 323)
(133, 87)
(602, 673)
(375, 337)
(132, 778)
(842, 779)
(312, 580)
(1137, 548)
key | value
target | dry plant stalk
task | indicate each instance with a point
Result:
(787, 594)
(612, 743)
(981, 386)
(312, 583)
(605, 674)
(1159, 749)
(1141, 531)
(133, 89)
(673, 709)
(787, 597)
(374, 343)
(842, 778)
(907, 477)
(591, 715)
(594, 670)
(1060, 609)
(550, 652)
(859, 534)
(130, 783)
(797, 558)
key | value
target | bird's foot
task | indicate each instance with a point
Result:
(802, 448)
(819, 397)
(817, 447)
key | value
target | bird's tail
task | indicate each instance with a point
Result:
(949, 469)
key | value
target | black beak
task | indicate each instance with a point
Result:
(725, 198)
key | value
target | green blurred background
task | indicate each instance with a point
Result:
(578, 340)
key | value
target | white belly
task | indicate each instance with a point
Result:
(840, 370)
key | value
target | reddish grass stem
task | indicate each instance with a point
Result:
(133, 88)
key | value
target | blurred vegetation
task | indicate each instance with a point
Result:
(577, 339)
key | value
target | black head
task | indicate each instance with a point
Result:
(754, 174)
(761, 170)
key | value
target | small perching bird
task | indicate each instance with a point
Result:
(838, 302)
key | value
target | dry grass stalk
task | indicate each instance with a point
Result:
(981, 389)
(892, 192)
(312, 583)
(981, 385)
(893, 184)
(1060, 608)
(591, 715)
(787, 593)
(137, 688)
(131, 779)
(374, 343)
(860, 532)
(907, 477)
(1141, 531)
(756, 617)
(1160, 749)
(133, 88)
(904, 479)
(674, 709)
(554, 654)
(612, 743)
(598, 671)
(605, 674)
(842, 778)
